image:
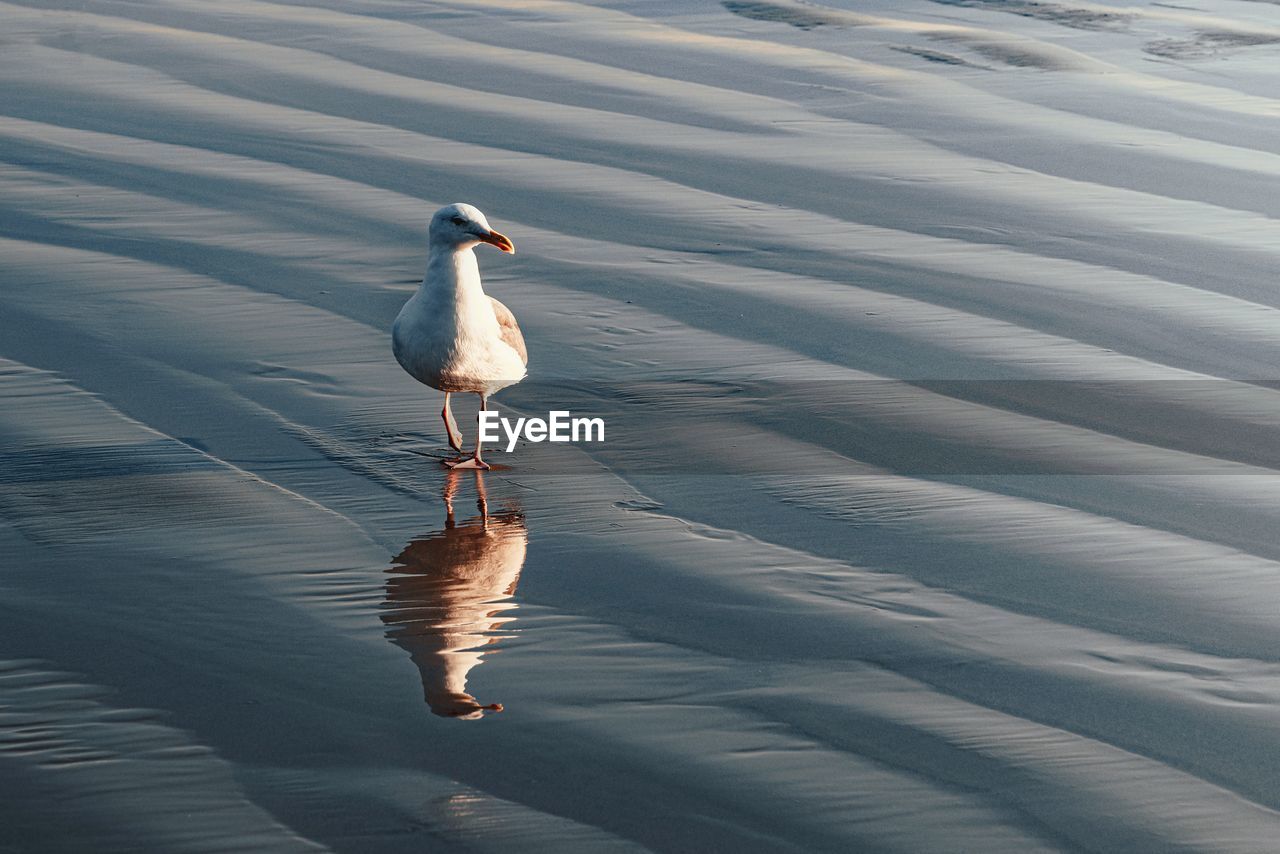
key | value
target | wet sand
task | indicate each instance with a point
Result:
(947, 522)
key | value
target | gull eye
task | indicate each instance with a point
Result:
(457, 220)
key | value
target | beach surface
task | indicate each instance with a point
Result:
(937, 345)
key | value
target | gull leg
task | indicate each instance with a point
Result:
(451, 426)
(474, 461)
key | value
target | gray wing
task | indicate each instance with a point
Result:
(510, 329)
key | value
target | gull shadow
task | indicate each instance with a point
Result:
(448, 592)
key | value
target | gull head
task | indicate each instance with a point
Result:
(461, 226)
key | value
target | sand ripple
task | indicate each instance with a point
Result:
(953, 526)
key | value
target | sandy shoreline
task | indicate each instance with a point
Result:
(870, 579)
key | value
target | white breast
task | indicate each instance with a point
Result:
(447, 336)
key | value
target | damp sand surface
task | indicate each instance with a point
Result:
(948, 521)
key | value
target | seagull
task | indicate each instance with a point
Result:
(450, 335)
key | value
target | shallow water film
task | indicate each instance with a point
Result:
(937, 346)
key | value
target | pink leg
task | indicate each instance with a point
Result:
(451, 426)
(474, 461)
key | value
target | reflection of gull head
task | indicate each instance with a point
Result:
(447, 593)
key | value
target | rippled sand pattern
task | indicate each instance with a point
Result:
(974, 617)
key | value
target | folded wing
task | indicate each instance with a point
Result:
(510, 329)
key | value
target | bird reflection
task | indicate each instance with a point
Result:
(448, 592)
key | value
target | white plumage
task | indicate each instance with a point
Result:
(450, 335)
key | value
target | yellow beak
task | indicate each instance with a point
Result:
(493, 238)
